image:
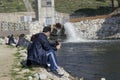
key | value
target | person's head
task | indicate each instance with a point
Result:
(11, 35)
(22, 35)
(47, 31)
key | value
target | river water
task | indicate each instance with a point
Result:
(91, 60)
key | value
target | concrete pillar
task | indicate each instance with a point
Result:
(45, 11)
(37, 10)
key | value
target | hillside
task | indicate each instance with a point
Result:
(70, 6)
(79, 7)
(84, 7)
(12, 6)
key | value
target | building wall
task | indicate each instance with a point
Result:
(45, 11)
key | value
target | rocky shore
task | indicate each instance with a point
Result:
(33, 73)
(18, 72)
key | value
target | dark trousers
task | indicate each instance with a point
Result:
(52, 60)
(49, 58)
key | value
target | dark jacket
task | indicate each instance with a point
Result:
(11, 40)
(38, 49)
(22, 42)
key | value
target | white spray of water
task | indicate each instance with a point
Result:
(72, 35)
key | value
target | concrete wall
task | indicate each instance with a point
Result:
(45, 11)
(15, 17)
(98, 28)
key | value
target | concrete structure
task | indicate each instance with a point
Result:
(16, 16)
(45, 11)
(45, 14)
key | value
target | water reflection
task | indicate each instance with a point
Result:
(92, 60)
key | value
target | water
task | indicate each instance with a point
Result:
(91, 60)
(72, 35)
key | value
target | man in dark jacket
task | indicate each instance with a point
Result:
(22, 42)
(11, 40)
(42, 52)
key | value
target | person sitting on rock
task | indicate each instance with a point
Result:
(11, 40)
(22, 42)
(42, 52)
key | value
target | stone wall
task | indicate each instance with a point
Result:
(35, 27)
(99, 28)
(10, 21)
(8, 28)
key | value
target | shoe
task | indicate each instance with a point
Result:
(57, 73)
(60, 72)
(48, 69)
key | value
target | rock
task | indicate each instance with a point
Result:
(23, 51)
(23, 58)
(18, 64)
(13, 44)
(2, 41)
(82, 78)
(98, 28)
(42, 76)
(23, 54)
(35, 27)
(64, 78)
(103, 79)
(30, 78)
(16, 69)
(24, 71)
(36, 76)
(65, 73)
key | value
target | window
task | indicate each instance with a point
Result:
(48, 20)
(49, 3)
(46, 3)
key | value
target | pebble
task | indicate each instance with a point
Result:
(42, 76)
(30, 78)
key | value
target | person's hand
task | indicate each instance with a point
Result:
(58, 46)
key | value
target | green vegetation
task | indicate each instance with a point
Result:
(83, 7)
(12, 6)
(87, 7)
(70, 6)
(18, 71)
